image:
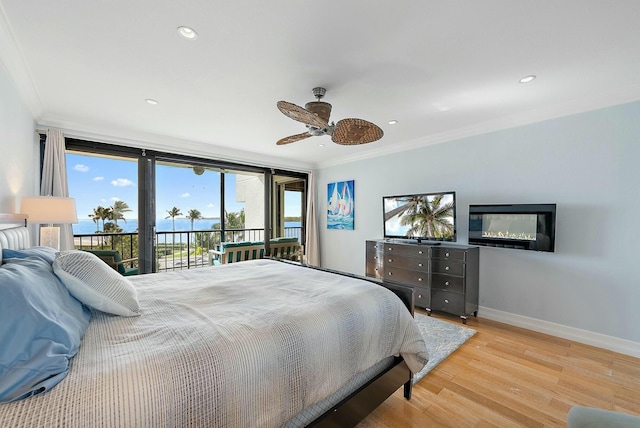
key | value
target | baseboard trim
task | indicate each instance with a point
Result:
(611, 343)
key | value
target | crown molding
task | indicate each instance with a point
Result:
(13, 60)
(169, 144)
(596, 102)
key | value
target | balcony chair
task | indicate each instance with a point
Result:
(231, 252)
(114, 259)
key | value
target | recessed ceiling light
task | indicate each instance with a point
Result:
(527, 79)
(393, 122)
(320, 145)
(151, 101)
(187, 32)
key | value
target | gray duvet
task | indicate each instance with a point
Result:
(248, 344)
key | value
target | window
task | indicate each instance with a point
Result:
(174, 208)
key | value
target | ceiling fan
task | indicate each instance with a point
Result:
(315, 115)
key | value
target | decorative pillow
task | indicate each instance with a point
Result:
(41, 326)
(96, 284)
(47, 254)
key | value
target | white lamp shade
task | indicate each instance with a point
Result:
(49, 209)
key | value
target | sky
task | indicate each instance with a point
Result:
(98, 181)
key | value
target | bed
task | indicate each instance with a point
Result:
(258, 343)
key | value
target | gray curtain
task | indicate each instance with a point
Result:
(312, 246)
(54, 178)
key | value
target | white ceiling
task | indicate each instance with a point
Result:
(443, 69)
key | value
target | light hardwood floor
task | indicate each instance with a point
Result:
(506, 376)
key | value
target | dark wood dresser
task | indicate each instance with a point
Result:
(444, 277)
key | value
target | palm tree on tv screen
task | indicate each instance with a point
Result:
(429, 218)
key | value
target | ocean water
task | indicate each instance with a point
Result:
(87, 226)
(339, 222)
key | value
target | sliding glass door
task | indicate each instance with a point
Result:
(166, 211)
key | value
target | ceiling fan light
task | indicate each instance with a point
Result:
(527, 79)
(151, 101)
(393, 122)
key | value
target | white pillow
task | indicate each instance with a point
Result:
(96, 284)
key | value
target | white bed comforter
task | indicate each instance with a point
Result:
(242, 345)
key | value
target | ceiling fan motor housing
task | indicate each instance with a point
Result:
(320, 109)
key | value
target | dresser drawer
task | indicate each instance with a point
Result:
(421, 297)
(409, 277)
(444, 253)
(447, 283)
(446, 301)
(415, 251)
(396, 261)
(373, 257)
(447, 267)
(373, 270)
(375, 247)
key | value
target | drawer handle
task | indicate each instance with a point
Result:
(420, 252)
(390, 260)
(446, 254)
(446, 283)
(446, 268)
(419, 296)
(419, 279)
(446, 300)
(420, 264)
(390, 248)
(375, 257)
(390, 273)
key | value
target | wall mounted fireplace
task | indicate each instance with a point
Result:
(520, 226)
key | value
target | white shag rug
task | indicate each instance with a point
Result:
(441, 338)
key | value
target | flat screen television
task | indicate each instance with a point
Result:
(421, 216)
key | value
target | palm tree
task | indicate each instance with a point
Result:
(194, 215)
(429, 218)
(173, 213)
(101, 213)
(95, 219)
(118, 209)
(234, 220)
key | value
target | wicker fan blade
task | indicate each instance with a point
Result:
(293, 138)
(356, 131)
(301, 115)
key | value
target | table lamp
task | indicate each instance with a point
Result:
(49, 210)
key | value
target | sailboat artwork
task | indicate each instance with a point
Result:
(340, 205)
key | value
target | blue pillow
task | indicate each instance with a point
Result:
(41, 326)
(47, 254)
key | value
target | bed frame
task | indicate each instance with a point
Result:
(364, 400)
(347, 413)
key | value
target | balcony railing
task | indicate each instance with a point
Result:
(174, 250)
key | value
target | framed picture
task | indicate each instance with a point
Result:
(340, 205)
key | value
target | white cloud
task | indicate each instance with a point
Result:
(80, 167)
(114, 198)
(185, 195)
(210, 206)
(98, 178)
(103, 200)
(122, 182)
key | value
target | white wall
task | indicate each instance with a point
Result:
(588, 164)
(18, 147)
